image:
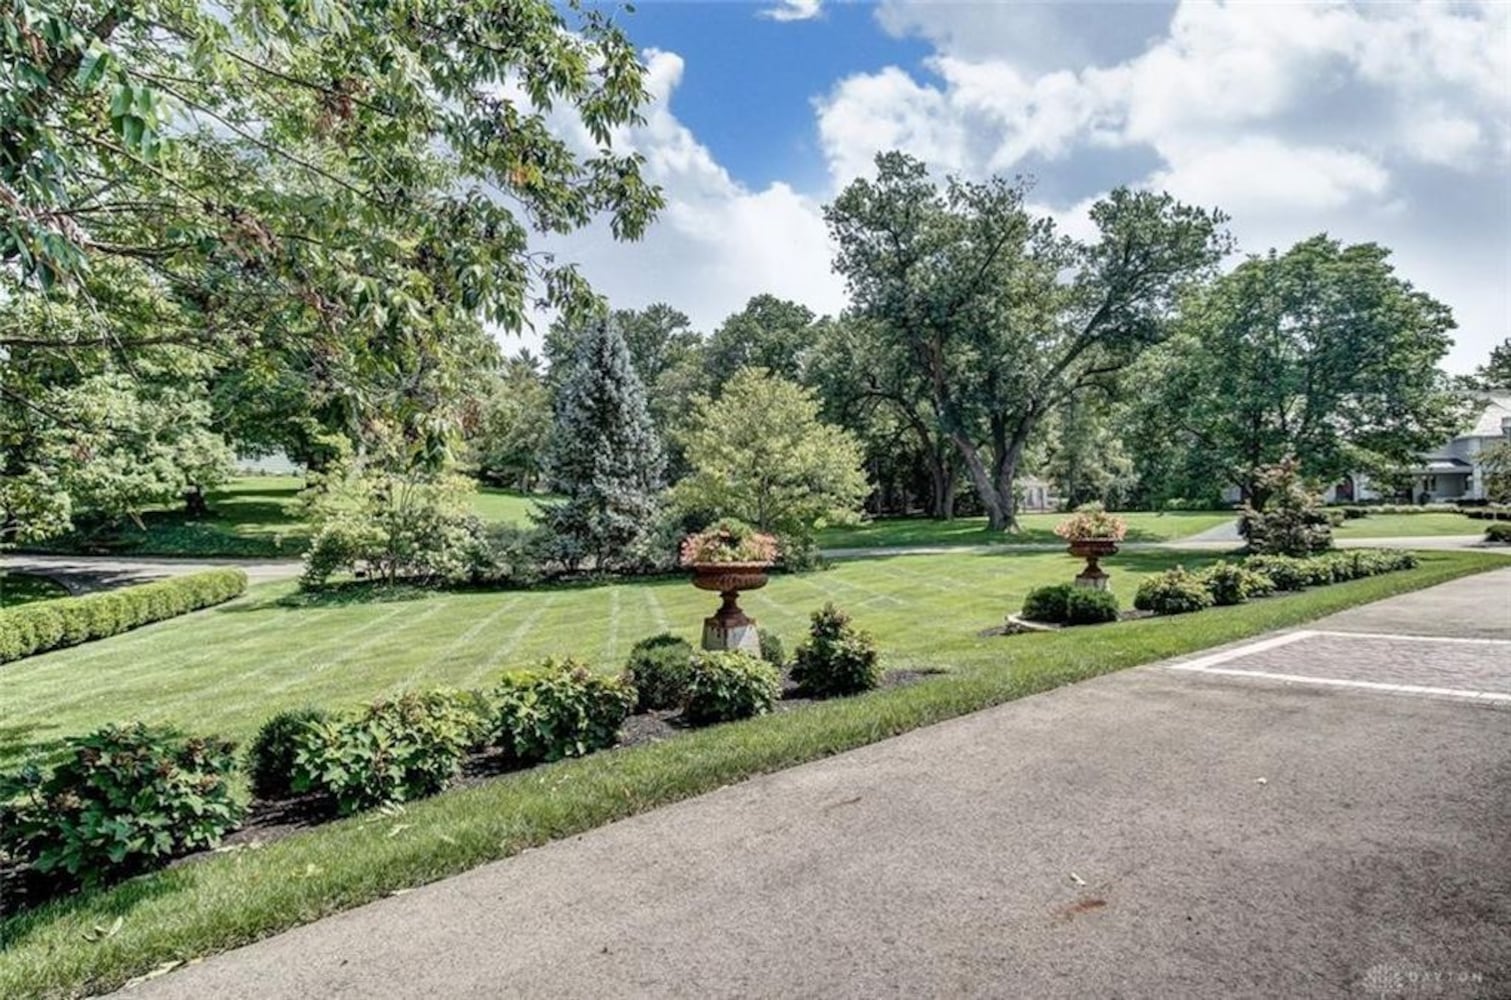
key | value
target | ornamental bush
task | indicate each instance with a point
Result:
(1231, 583)
(1173, 592)
(724, 685)
(1292, 520)
(837, 659)
(1500, 532)
(657, 670)
(772, 650)
(270, 757)
(68, 621)
(396, 750)
(1087, 606)
(126, 799)
(1283, 572)
(1048, 604)
(562, 709)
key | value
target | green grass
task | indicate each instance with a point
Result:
(17, 589)
(253, 517)
(1436, 523)
(1143, 526)
(226, 669)
(232, 899)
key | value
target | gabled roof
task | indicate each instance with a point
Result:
(1497, 406)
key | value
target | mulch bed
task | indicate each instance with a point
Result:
(270, 821)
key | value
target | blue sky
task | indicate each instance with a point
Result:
(1383, 122)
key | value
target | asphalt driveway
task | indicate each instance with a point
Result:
(1190, 830)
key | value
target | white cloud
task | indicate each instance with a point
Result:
(717, 242)
(1361, 120)
(793, 10)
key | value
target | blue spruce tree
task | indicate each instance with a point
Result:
(604, 457)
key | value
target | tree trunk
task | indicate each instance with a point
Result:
(941, 487)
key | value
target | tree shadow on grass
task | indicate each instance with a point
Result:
(99, 907)
(24, 742)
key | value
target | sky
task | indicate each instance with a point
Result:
(1372, 122)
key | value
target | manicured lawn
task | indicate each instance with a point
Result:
(505, 506)
(17, 589)
(252, 517)
(1411, 525)
(96, 941)
(1143, 526)
(226, 669)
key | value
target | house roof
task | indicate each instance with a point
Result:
(1497, 407)
(1439, 466)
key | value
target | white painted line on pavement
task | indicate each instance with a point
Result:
(1211, 659)
(1367, 685)
(1412, 638)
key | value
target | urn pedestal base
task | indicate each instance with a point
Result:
(1092, 550)
(1092, 577)
(743, 637)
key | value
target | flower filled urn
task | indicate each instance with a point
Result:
(1092, 534)
(728, 558)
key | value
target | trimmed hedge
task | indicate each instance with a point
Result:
(68, 621)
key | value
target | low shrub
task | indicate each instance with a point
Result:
(1500, 532)
(396, 750)
(1048, 604)
(772, 650)
(1283, 572)
(1173, 592)
(270, 756)
(68, 621)
(1088, 606)
(727, 685)
(562, 709)
(657, 669)
(1231, 583)
(127, 798)
(837, 659)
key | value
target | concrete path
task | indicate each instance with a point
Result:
(82, 574)
(1193, 829)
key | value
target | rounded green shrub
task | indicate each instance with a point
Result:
(1048, 604)
(270, 756)
(657, 669)
(562, 709)
(1283, 572)
(837, 659)
(1173, 592)
(1088, 606)
(1498, 531)
(723, 685)
(396, 750)
(772, 650)
(127, 798)
(1231, 583)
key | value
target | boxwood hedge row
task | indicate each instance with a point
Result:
(68, 621)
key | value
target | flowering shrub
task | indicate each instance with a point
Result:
(1092, 522)
(728, 541)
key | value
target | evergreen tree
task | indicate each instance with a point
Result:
(604, 457)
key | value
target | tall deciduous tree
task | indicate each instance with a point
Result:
(328, 201)
(513, 426)
(760, 453)
(604, 457)
(1322, 354)
(999, 317)
(1495, 373)
(768, 333)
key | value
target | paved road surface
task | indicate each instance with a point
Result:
(1197, 829)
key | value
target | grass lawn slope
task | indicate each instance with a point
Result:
(1143, 526)
(923, 610)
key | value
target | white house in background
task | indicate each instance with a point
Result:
(1455, 471)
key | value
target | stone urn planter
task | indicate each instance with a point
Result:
(1093, 535)
(1092, 550)
(726, 558)
(730, 627)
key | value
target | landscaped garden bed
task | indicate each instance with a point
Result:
(76, 944)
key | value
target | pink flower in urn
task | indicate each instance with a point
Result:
(1092, 523)
(728, 541)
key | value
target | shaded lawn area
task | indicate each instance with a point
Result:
(253, 517)
(506, 506)
(1436, 523)
(222, 671)
(1143, 526)
(17, 589)
(233, 899)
